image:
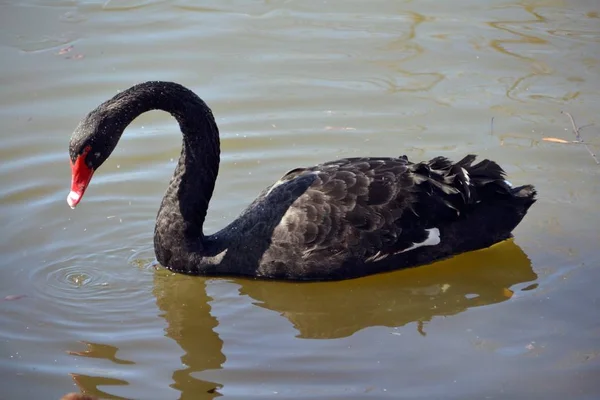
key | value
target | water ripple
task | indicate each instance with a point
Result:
(81, 287)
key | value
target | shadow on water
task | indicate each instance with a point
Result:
(328, 310)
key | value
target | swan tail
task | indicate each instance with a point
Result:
(495, 207)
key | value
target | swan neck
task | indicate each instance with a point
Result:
(180, 219)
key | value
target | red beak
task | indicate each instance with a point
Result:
(81, 175)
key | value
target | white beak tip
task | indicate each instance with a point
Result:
(73, 199)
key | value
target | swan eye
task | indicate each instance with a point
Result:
(85, 156)
(88, 157)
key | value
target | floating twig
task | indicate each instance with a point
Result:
(492, 127)
(577, 133)
(556, 140)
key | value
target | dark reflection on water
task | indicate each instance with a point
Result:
(324, 310)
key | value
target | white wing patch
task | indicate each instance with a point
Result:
(508, 183)
(216, 260)
(467, 177)
(432, 239)
(279, 182)
(282, 181)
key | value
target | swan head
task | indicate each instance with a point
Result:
(91, 144)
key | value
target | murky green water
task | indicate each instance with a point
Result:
(293, 83)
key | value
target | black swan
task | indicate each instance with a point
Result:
(337, 220)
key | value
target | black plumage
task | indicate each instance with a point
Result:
(337, 220)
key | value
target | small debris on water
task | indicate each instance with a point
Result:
(12, 297)
(68, 50)
(65, 50)
(577, 133)
(530, 346)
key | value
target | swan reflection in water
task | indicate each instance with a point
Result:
(327, 310)
(324, 310)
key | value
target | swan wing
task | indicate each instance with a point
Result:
(371, 208)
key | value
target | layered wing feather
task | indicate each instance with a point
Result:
(371, 208)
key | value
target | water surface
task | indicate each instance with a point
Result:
(293, 83)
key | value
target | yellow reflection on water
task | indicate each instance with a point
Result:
(402, 50)
(88, 384)
(337, 309)
(185, 306)
(328, 310)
